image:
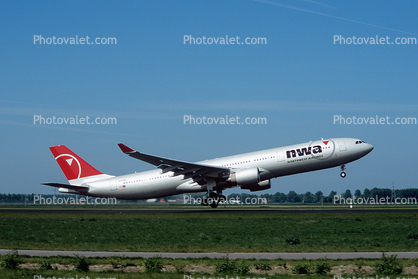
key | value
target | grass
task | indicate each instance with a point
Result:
(35, 274)
(289, 264)
(119, 275)
(210, 231)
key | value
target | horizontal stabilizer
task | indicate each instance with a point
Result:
(68, 186)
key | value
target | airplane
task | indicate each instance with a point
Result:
(252, 171)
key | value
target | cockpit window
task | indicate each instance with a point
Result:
(360, 142)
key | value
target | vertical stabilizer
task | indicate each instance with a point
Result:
(73, 166)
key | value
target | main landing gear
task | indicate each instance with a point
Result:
(213, 199)
(343, 174)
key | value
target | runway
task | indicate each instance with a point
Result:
(215, 211)
(257, 256)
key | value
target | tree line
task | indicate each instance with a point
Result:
(319, 197)
(291, 197)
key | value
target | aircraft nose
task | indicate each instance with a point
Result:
(369, 147)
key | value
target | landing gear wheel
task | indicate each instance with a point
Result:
(205, 202)
(213, 195)
(214, 204)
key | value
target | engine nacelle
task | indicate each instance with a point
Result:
(263, 185)
(245, 176)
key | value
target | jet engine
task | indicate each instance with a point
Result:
(263, 185)
(245, 176)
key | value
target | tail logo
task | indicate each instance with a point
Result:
(67, 161)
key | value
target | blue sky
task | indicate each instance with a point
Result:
(150, 79)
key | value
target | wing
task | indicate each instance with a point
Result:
(198, 172)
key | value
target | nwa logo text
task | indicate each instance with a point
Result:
(304, 151)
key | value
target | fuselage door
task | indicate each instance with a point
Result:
(113, 185)
(342, 146)
(280, 156)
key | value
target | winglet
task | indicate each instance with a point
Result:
(125, 149)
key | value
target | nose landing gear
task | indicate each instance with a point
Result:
(343, 174)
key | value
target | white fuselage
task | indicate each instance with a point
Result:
(272, 163)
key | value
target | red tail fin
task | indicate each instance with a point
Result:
(71, 164)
